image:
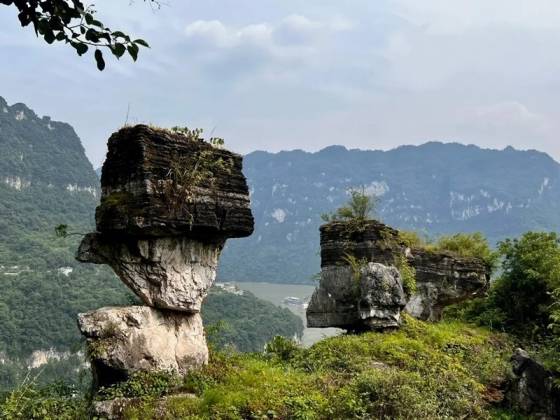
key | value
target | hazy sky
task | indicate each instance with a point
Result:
(289, 74)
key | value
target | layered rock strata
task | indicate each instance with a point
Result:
(169, 202)
(441, 278)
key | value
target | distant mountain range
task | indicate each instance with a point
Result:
(434, 188)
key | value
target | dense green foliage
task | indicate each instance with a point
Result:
(521, 300)
(525, 299)
(471, 245)
(446, 370)
(468, 245)
(248, 323)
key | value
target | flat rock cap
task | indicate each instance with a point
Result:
(157, 182)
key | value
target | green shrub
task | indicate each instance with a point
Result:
(360, 207)
(282, 348)
(408, 275)
(386, 394)
(56, 401)
(142, 384)
(413, 239)
(470, 245)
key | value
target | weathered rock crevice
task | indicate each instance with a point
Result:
(168, 204)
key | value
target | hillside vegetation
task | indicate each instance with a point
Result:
(445, 370)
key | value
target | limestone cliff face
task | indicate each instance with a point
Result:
(532, 390)
(168, 204)
(441, 278)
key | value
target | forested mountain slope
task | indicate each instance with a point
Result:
(435, 188)
(46, 180)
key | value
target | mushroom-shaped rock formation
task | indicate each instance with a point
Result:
(169, 202)
(441, 278)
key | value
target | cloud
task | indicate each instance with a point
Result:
(443, 17)
(292, 74)
(292, 36)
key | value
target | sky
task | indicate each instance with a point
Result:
(287, 74)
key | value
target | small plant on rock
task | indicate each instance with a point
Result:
(361, 207)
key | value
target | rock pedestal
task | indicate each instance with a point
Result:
(130, 339)
(169, 202)
(376, 249)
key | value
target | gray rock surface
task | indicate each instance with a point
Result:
(123, 340)
(369, 300)
(533, 392)
(168, 204)
(442, 278)
(170, 273)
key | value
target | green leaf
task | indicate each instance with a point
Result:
(141, 42)
(96, 23)
(118, 50)
(81, 49)
(99, 60)
(92, 35)
(49, 36)
(105, 36)
(89, 18)
(133, 51)
(119, 34)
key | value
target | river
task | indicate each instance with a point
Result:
(276, 293)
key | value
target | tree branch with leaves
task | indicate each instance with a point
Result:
(74, 23)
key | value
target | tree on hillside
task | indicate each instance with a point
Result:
(72, 22)
(525, 299)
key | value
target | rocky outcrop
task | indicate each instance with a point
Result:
(125, 340)
(533, 391)
(371, 300)
(441, 278)
(159, 183)
(169, 201)
(171, 273)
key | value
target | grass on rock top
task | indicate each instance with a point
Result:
(423, 370)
